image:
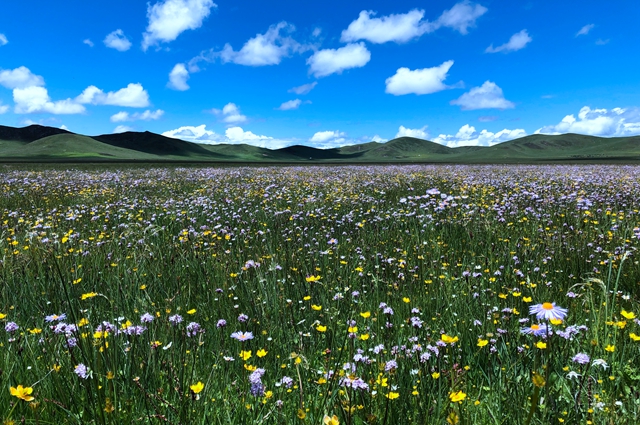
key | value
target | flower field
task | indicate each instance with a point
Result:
(310, 295)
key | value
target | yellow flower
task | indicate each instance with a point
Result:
(316, 307)
(629, 315)
(301, 414)
(321, 381)
(610, 348)
(634, 337)
(541, 345)
(333, 420)
(35, 331)
(88, 295)
(482, 342)
(192, 311)
(321, 328)
(435, 375)
(83, 322)
(365, 314)
(457, 396)
(2, 316)
(261, 352)
(527, 299)
(313, 278)
(250, 368)
(353, 329)
(108, 405)
(453, 418)
(538, 380)
(56, 368)
(555, 321)
(245, 355)
(196, 388)
(21, 392)
(364, 337)
(406, 299)
(307, 298)
(392, 395)
(448, 339)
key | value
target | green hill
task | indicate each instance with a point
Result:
(37, 143)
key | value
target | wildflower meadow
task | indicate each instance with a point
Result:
(320, 295)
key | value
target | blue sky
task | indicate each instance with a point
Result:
(324, 73)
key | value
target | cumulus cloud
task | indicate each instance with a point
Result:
(469, 136)
(419, 81)
(325, 136)
(117, 40)
(403, 27)
(233, 135)
(34, 99)
(169, 18)
(134, 95)
(20, 78)
(616, 122)
(378, 139)
(303, 89)
(264, 49)
(230, 114)
(88, 42)
(396, 27)
(334, 61)
(290, 104)
(3, 39)
(122, 129)
(419, 133)
(585, 30)
(178, 78)
(487, 96)
(517, 41)
(147, 115)
(3, 108)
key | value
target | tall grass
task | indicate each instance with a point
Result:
(377, 294)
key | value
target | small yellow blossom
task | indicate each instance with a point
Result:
(629, 315)
(23, 393)
(458, 396)
(321, 328)
(482, 342)
(192, 311)
(261, 353)
(541, 345)
(88, 295)
(196, 388)
(610, 348)
(316, 307)
(365, 314)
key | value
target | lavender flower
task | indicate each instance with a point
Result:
(146, 318)
(82, 371)
(175, 319)
(11, 327)
(581, 358)
(193, 328)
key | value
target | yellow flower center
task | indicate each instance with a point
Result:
(547, 306)
(535, 327)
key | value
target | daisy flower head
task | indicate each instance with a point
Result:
(548, 311)
(242, 336)
(539, 329)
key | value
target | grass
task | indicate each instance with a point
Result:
(395, 292)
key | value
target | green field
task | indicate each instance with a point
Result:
(46, 144)
(287, 295)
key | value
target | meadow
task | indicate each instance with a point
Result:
(320, 295)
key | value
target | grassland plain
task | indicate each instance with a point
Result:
(309, 295)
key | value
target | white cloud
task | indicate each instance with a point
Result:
(64, 127)
(117, 40)
(325, 136)
(197, 134)
(419, 81)
(134, 95)
(3, 108)
(20, 78)
(233, 135)
(403, 27)
(122, 129)
(291, 104)
(517, 41)
(178, 78)
(3, 39)
(138, 116)
(303, 89)
(34, 99)
(487, 96)
(419, 133)
(469, 136)
(264, 49)
(460, 17)
(378, 139)
(397, 27)
(601, 42)
(616, 122)
(169, 18)
(331, 61)
(585, 30)
(88, 42)
(230, 114)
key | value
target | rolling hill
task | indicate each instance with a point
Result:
(37, 143)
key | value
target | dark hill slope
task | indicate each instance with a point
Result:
(30, 133)
(155, 144)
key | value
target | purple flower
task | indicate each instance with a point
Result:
(193, 328)
(221, 323)
(581, 358)
(82, 371)
(391, 365)
(286, 381)
(242, 336)
(55, 317)
(11, 327)
(539, 329)
(548, 311)
(255, 379)
(175, 319)
(146, 318)
(243, 318)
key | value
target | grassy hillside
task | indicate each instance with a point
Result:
(38, 143)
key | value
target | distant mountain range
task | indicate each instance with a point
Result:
(37, 143)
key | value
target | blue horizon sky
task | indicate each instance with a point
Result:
(458, 73)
